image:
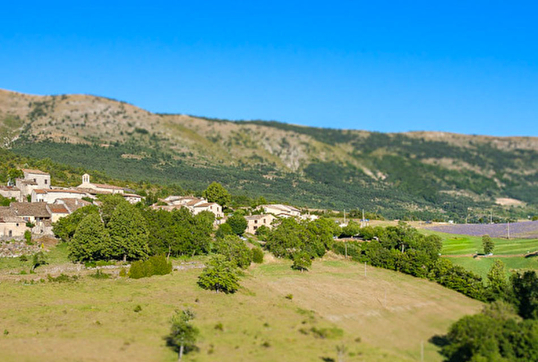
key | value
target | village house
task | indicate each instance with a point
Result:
(72, 205)
(11, 192)
(281, 210)
(133, 198)
(11, 225)
(195, 204)
(33, 179)
(255, 221)
(35, 213)
(208, 206)
(51, 195)
(57, 212)
(86, 185)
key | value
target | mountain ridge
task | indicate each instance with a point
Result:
(429, 168)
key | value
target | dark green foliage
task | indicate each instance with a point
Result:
(28, 236)
(263, 232)
(216, 193)
(137, 309)
(23, 258)
(498, 285)
(128, 233)
(219, 275)
(525, 291)
(183, 334)
(492, 336)
(351, 229)
(257, 255)
(487, 244)
(155, 265)
(91, 240)
(65, 227)
(223, 230)
(291, 236)
(234, 250)
(179, 232)
(62, 278)
(38, 259)
(301, 261)
(99, 275)
(109, 205)
(238, 223)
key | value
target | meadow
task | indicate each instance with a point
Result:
(278, 314)
(461, 249)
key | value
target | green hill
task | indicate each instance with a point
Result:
(425, 174)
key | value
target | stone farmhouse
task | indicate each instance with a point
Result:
(33, 179)
(255, 221)
(12, 226)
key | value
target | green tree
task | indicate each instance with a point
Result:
(301, 261)
(235, 250)
(219, 275)
(183, 334)
(525, 289)
(487, 244)
(263, 232)
(351, 229)
(223, 230)
(109, 204)
(217, 193)
(91, 240)
(14, 173)
(238, 224)
(128, 233)
(65, 227)
(498, 286)
(257, 255)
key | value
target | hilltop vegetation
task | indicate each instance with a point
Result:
(424, 175)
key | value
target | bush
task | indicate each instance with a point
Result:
(99, 275)
(28, 236)
(235, 250)
(257, 255)
(301, 261)
(219, 275)
(62, 278)
(155, 265)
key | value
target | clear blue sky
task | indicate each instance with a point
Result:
(459, 66)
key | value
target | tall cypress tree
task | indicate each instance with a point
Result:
(128, 233)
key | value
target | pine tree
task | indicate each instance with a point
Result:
(128, 233)
(91, 240)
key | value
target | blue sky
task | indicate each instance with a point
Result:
(459, 66)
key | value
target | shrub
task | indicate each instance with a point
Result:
(219, 275)
(301, 261)
(289, 296)
(28, 236)
(23, 258)
(257, 255)
(62, 278)
(137, 309)
(155, 265)
(99, 275)
(123, 272)
(38, 259)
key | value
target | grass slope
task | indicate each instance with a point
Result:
(94, 320)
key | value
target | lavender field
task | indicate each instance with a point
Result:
(523, 230)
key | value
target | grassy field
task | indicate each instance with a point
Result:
(460, 248)
(465, 244)
(383, 316)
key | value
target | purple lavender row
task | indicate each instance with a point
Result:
(519, 229)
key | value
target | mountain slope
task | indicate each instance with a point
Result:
(420, 172)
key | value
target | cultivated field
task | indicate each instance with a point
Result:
(379, 317)
(516, 254)
(526, 229)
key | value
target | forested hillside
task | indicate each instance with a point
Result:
(422, 174)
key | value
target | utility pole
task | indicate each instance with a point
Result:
(344, 216)
(491, 216)
(508, 229)
(345, 243)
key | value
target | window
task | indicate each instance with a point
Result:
(10, 233)
(46, 181)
